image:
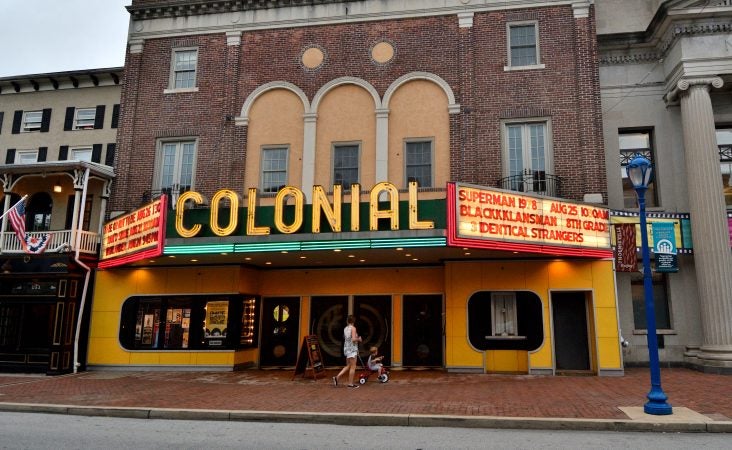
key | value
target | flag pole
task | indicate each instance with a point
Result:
(11, 208)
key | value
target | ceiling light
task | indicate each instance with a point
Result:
(57, 187)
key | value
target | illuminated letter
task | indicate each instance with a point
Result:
(391, 213)
(233, 212)
(282, 194)
(252, 228)
(355, 207)
(332, 213)
(414, 222)
(180, 207)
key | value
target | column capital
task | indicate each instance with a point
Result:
(686, 83)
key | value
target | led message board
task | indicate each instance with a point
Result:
(480, 217)
(134, 236)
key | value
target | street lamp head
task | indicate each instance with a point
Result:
(639, 171)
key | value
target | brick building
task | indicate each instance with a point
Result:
(437, 170)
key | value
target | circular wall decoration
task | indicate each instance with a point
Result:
(312, 57)
(382, 52)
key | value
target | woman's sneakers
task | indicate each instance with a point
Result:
(354, 386)
(335, 381)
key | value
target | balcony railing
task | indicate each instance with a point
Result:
(62, 241)
(533, 182)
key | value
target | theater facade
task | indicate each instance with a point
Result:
(437, 171)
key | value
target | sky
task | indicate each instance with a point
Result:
(41, 36)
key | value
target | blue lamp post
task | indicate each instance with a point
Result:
(639, 172)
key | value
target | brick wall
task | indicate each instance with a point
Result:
(470, 60)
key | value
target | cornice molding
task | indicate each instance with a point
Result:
(182, 8)
(645, 54)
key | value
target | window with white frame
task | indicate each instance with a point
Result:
(81, 154)
(183, 73)
(631, 143)
(27, 156)
(724, 143)
(345, 165)
(274, 169)
(418, 162)
(32, 120)
(176, 166)
(503, 314)
(523, 44)
(529, 159)
(84, 119)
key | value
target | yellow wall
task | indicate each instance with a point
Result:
(113, 287)
(346, 115)
(463, 279)
(418, 109)
(458, 280)
(275, 119)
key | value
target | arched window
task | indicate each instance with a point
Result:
(38, 212)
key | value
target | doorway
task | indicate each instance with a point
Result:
(280, 331)
(571, 338)
(422, 331)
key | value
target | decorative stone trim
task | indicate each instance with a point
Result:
(638, 58)
(233, 38)
(136, 45)
(157, 10)
(452, 107)
(675, 32)
(178, 43)
(581, 9)
(344, 80)
(465, 19)
(243, 118)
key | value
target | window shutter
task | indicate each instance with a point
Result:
(10, 156)
(2, 116)
(69, 120)
(46, 120)
(42, 153)
(109, 157)
(17, 119)
(63, 153)
(97, 153)
(99, 118)
(115, 115)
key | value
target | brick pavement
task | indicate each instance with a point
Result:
(408, 392)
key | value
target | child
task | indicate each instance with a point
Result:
(374, 361)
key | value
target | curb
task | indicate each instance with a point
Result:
(370, 419)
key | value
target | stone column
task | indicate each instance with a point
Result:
(308, 153)
(712, 255)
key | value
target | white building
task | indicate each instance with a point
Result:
(666, 79)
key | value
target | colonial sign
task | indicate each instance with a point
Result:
(134, 236)
(330, 210)
(506, 220)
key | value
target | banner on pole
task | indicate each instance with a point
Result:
(664, 247)
(625, 255)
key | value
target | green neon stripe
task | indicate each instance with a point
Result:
(332, 245)
(412, 242)
(193, 249)
(266, 247)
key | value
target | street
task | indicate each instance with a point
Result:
(52, 431)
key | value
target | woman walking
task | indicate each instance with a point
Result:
(350, 349)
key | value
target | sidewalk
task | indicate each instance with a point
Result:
(702, 402)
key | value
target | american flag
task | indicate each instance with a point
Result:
(17, 219)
